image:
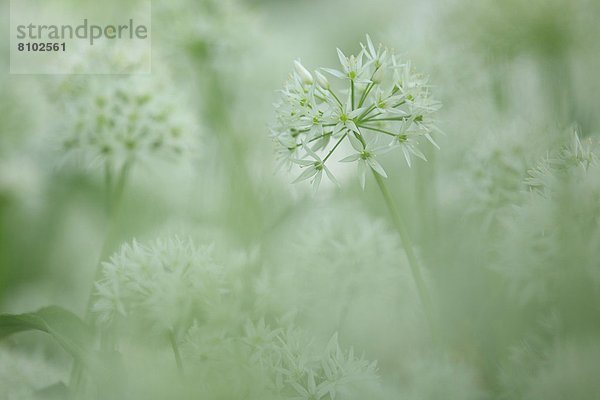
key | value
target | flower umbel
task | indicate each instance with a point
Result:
(110, 123)
(161, 285)
(385, 102)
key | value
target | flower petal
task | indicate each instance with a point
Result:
(356, 144)
(350, 158)
(309, 173)
(362, 172)
(335, 73)
(376, 167)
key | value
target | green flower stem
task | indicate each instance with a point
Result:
(365, 94)
(176, 352)
(372, 119)
(114, 200)
(413, 261)
(366, 113)
(336, 98)
(352, 90)
(334, 147)
(372, 128)
(108, 185)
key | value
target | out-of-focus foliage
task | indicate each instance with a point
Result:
(203, 273)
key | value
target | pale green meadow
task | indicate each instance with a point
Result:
(314, 200)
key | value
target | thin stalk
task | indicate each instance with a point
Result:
(365, 94)
(334, 147)
(336, 98)
(366, 112)
(372, 128)
(372, 119)
(176, 352)
(413, 261)
(113, 204)
(352, 89)
(108, 185)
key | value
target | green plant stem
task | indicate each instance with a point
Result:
(413, 261)
(352, 89)
(176, 352)
(335, 97)
(372, 128)
(371, 119)
(334, 147)
(114, 200)
(365, 94)
(114, 206)
(108, 185)
(365, 113)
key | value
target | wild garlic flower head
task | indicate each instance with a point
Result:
(164, 285)
(376, 104)
(555, 225)
(575, 155)
(298, 369)
(218, 359)
(339, 272)
(124, 119)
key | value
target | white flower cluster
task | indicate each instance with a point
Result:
(345, 264)
(124, 119)
(561, 203)
(298, 371)
(165, 285)
(575, 156)
(383, 105)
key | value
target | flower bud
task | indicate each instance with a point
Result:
(322, 80)
(305, 76)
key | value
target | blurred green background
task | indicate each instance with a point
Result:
(506, 216)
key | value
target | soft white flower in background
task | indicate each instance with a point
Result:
(523, 358)
(114, 121)
(493, 173)
(164, 285)
(575, 156)
(219, 361)
(342, 270)
(298, 369)
(382, 105)
(562, 204)
(258, 361)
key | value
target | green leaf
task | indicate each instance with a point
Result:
(64, 326)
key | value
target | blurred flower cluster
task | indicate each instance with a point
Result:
(164, 284)
(111, 122)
